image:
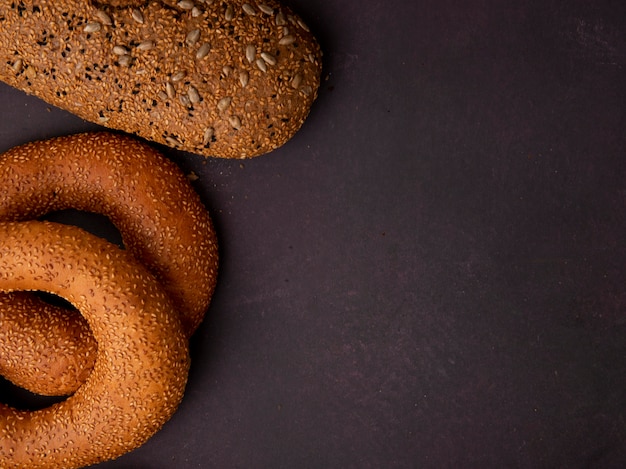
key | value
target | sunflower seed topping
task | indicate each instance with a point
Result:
(137, 16)
(192, 37)
(120, 50)
(208, 135)
(280, 19)
(92, 27)
(224, 103)
(227, 70)
(145, 45)
(303, 25)
(162, 95)
(172, 141)
(229, 14)
(184, 100)
(170, 90)
(125, 60)
(193, 95)
(287, 40)
(178, 76)
(30, 73)
(195, 12)
(104, 18)
(244, 78)
(262, 65)
(235, 122)
(17, 65)
(203, 51)
(248, 9)
(250, 53)
(296, 81)
(268, 10)
(186, 4)
(268, 58)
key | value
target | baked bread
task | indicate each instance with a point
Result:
(142, 362)
(232, 79)
(162, 222)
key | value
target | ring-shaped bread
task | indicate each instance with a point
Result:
(142, 361)
(148, 198)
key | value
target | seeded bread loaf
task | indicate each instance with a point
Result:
(218, 78)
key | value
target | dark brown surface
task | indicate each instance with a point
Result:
(431, 273)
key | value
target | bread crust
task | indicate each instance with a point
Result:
(162, 221)
(229, 79)
(143, 359)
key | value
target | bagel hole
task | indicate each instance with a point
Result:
(53, 299)
(21, 399)
(95, 223)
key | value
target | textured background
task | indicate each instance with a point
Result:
(430, 274)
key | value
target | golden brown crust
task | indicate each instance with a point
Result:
(229, 79)
(142, 363)
(45, 348)
(161, 219)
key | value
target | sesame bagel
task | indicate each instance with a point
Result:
(45, 348)
(142, 361)
(230, 79)
(161, 219)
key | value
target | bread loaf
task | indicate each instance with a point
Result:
(218, 78)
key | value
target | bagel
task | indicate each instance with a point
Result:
(161, 219)
(229, 79)
(142, 361)
(45, 348)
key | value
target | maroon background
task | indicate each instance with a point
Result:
(431, 273)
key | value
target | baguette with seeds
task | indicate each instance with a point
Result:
(230, 79)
